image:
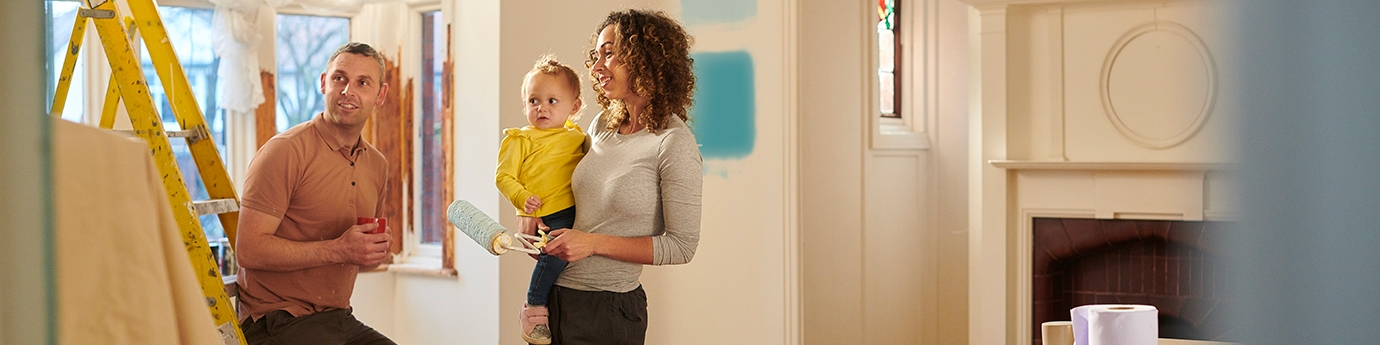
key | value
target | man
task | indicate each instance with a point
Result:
(299, 249)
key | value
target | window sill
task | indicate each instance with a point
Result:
(894, 134)
(424, 267)
(891, 139)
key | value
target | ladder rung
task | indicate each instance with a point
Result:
(171, 134)
(194, 134)
(216, 206)
(96, 13)
(182, 134)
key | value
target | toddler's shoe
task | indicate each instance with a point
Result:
(534, 325)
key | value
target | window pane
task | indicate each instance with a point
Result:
(304, 43)
(189, 31)
(59, 34)
(433, 153)
(888, 55)
(888, 92)
(886, 50)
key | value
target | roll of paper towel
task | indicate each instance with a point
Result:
(1115, 324)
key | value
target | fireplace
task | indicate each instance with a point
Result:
(1100, 114)
(1171, 265)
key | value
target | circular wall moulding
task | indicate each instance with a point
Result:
(1158, 84)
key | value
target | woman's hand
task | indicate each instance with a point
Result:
(572, 245)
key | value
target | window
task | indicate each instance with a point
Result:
(888, 58)
(904, 69)
(189, 30)
(432, 186)
(63, 13)
(303, 45)
(430, 158)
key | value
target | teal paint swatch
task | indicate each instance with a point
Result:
(724, 114)
(695, 12)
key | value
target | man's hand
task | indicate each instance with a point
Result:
(533, 203)
(359, 247)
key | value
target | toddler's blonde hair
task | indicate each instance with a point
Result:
(547, 64)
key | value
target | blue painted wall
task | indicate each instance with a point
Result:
(695, 12)
(724, 114)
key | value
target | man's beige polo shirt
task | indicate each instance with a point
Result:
(317, 188)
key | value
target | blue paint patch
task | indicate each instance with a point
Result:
(695, 12)
(723, 117)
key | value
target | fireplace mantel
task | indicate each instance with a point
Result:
(1107, 166)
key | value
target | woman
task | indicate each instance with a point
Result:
(638, 187)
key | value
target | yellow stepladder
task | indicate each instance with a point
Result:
(128, 84)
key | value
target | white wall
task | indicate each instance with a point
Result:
(831, 170)
(883, 225)
(949, 191)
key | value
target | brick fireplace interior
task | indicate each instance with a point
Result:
(1171, 265)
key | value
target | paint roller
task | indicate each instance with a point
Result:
(488, 233)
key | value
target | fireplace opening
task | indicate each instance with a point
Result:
(1172, 265)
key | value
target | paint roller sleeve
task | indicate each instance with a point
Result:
(478, 226)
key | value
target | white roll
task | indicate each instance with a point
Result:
(1123, 325)
(1079, 315)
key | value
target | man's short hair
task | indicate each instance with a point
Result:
(360, 49)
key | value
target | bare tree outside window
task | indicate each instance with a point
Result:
(304, 43)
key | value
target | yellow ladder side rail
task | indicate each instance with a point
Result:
(112, 104)
(112, 92)
(126, 69)
(184, 106)
(69, 63)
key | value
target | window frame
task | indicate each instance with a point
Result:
(916, 77)
(414, 251)
(897, 57)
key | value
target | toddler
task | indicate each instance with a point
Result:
(534, 167)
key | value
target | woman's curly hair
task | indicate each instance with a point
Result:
(656, 51)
